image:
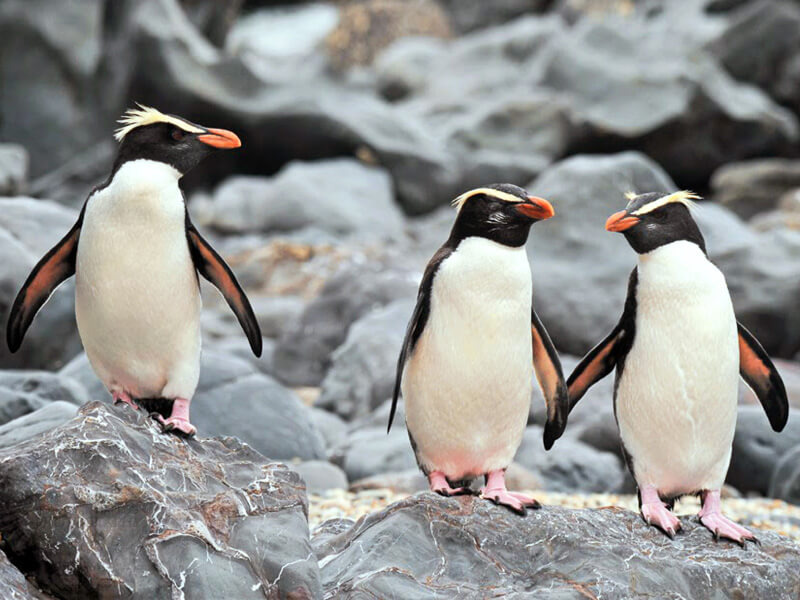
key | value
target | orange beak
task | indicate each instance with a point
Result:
(620, 221)
(220, 138)
(536, 208)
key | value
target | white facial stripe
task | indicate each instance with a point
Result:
(683, 197)
(505, 197)
(145, 115)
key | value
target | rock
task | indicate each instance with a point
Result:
(667, 99)
(754, 186)
(232, 398)
(13, 584)
(402, 69)
(757, 449)
(28, 229)
(303, 354)
(409, 481)
(327, 531)
(276, 313)
(785, 481)
(372, 451)
(214, 19)
(37, 422)
(363, 368)
(321, 476)
(571, 466)
(332, 429)
(367, 26)
(142, 511)
(23, 392)
(428, 546)
(341, 196)
(13, 169)
(473, 14)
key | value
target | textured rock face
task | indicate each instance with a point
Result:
(106, 506)
(14, 586)
(432, 547)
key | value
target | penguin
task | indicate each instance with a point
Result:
(678, 352)
(136, 257)
(472, 346)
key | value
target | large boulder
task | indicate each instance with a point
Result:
(22, 392)
(107, 506)
(372, 451)
(427, 546)
(754, 186)
(37, 422)
(28, 229)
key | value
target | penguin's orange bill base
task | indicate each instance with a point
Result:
(220, 138)
(620, 221)
(536, 208)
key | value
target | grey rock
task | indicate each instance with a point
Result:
(22, 392)
(473, 14)
(372, 451)
(13, 584)
(409, 481)
(13, 170)
(321, 476)
(35, 423)
(785, 481)
(303, 353)
(28, 229)
(757, 449)
(327, 531)
(341, 196)
(363, 368)
(143, 509)
(331, 427)
(571, 465)
(239, 347)
(276, 313)
(427, 546)
(755, 186)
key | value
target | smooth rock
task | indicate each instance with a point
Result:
(13, 169)
(23, 392)
(321, 476)
(37, 422)
(330, 426)
(363, 368)
(427, 546)
(372, 451)
(144, 511)
(755, 186)
(468, 15)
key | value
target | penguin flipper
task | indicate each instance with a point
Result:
(602, 359)
(211, 266)
(760, 374)
(417, 323)
(54, 267)
(547, 367)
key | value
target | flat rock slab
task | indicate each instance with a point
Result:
(107, 506)
(427, 546)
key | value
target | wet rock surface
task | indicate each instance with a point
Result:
(107, 506)
(427, 546)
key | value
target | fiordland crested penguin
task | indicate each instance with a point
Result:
(135, 255)
(473, 344)
(678, 352)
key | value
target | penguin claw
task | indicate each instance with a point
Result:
(176, 425)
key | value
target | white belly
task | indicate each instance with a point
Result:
(467, 385)
(677, 396)
(137, 297)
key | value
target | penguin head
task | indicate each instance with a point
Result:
(653, 219)
(149, 134)
(500, 212)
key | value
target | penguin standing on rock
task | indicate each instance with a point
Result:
(135, 255)
(474, 341)
(678, 352)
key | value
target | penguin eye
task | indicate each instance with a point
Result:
(177, 134)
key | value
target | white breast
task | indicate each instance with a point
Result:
(677, 396)
(137, 297)
(467, 385)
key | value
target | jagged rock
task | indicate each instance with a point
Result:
(303, 354)
(321, 476)
(362, 372)
(428, 546)
(28, 229)
(14, 586)
(39, 421)
(107, 506)
(13, 169)
(754, 186)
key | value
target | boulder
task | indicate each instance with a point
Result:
(427, 546)
(107, 506)
(754, 186)
(13, 170)
(468, 15)
(303, 353)
(14, 586)
(372, 451)
(341, 196)
(22, 392)
(331, 427)
(363, 368)
(35, 423)
(28, 229)
(321, 476)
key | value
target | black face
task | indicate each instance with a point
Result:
(170, 144)
(500, 220)
(645, 232)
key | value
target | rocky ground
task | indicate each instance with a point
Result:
(360, 121)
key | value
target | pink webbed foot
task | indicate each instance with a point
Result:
(721, 526)
(655, 512)
(121, 397)
(495, 490)
(178, 420)
(440, 485)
